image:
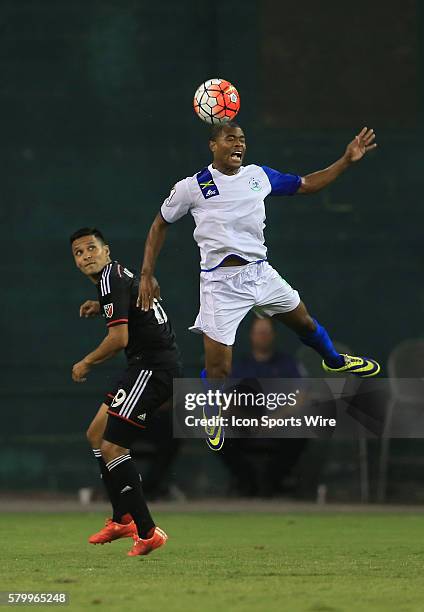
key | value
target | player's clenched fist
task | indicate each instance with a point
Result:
(90, 308)
(80, 371)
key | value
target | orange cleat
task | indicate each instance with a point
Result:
(113, 531)
(144, 547)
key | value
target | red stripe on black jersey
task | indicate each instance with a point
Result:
(117, 322)
(115, 414)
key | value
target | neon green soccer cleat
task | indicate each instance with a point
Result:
(216, 440)
(215, 433)
(359, 366)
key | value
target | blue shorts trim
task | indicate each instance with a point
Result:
(232, 255)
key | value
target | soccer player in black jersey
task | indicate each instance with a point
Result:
(153, 361)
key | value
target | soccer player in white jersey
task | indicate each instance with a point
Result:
(226, 200)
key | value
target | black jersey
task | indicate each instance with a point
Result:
(151, 339)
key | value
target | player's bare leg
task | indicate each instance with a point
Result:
(299, 320)
(218, 358)
(313, 334)
(112, 451)
(120, 525)
(96, 428)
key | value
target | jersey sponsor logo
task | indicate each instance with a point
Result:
(108, 308)
(119, 398)
(255, 184)
(128, 273)
(206, 184)
(142, 417)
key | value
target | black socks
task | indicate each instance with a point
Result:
(107, 481)
(126, 483)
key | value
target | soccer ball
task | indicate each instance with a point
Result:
(216, 101)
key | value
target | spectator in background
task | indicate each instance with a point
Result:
(265, 361)
(260, 467)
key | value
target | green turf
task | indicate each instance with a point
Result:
(224, 562)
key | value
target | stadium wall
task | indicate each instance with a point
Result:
(97, 126)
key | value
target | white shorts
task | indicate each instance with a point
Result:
(228, 293)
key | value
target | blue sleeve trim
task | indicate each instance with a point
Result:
(282, 184)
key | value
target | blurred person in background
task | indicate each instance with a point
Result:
(261, 467)
(264, 359)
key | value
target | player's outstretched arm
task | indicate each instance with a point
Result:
(115, 341)
(149, 288)
(355, 150)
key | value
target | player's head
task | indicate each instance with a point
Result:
(228, 145)
(90, 251)
(262, 334)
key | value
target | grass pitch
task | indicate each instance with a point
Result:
(226, 562)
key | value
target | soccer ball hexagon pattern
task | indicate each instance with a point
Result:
(216, 101)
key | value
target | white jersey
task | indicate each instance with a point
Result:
(228, 210)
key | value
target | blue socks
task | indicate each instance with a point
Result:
(320, 341)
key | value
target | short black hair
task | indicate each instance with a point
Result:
(216, 129)
(87, 231)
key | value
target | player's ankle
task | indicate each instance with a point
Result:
(335, 362)
(146, 535)
(125, 519)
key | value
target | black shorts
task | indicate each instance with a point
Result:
(137, 395)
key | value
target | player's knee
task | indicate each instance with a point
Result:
(93, 438)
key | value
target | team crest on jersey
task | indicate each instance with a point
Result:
(108, 308)
(255, 184)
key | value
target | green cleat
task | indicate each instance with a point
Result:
(216, 441)
(214, 433)
(359, 366)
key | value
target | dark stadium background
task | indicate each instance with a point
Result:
(97, 125)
